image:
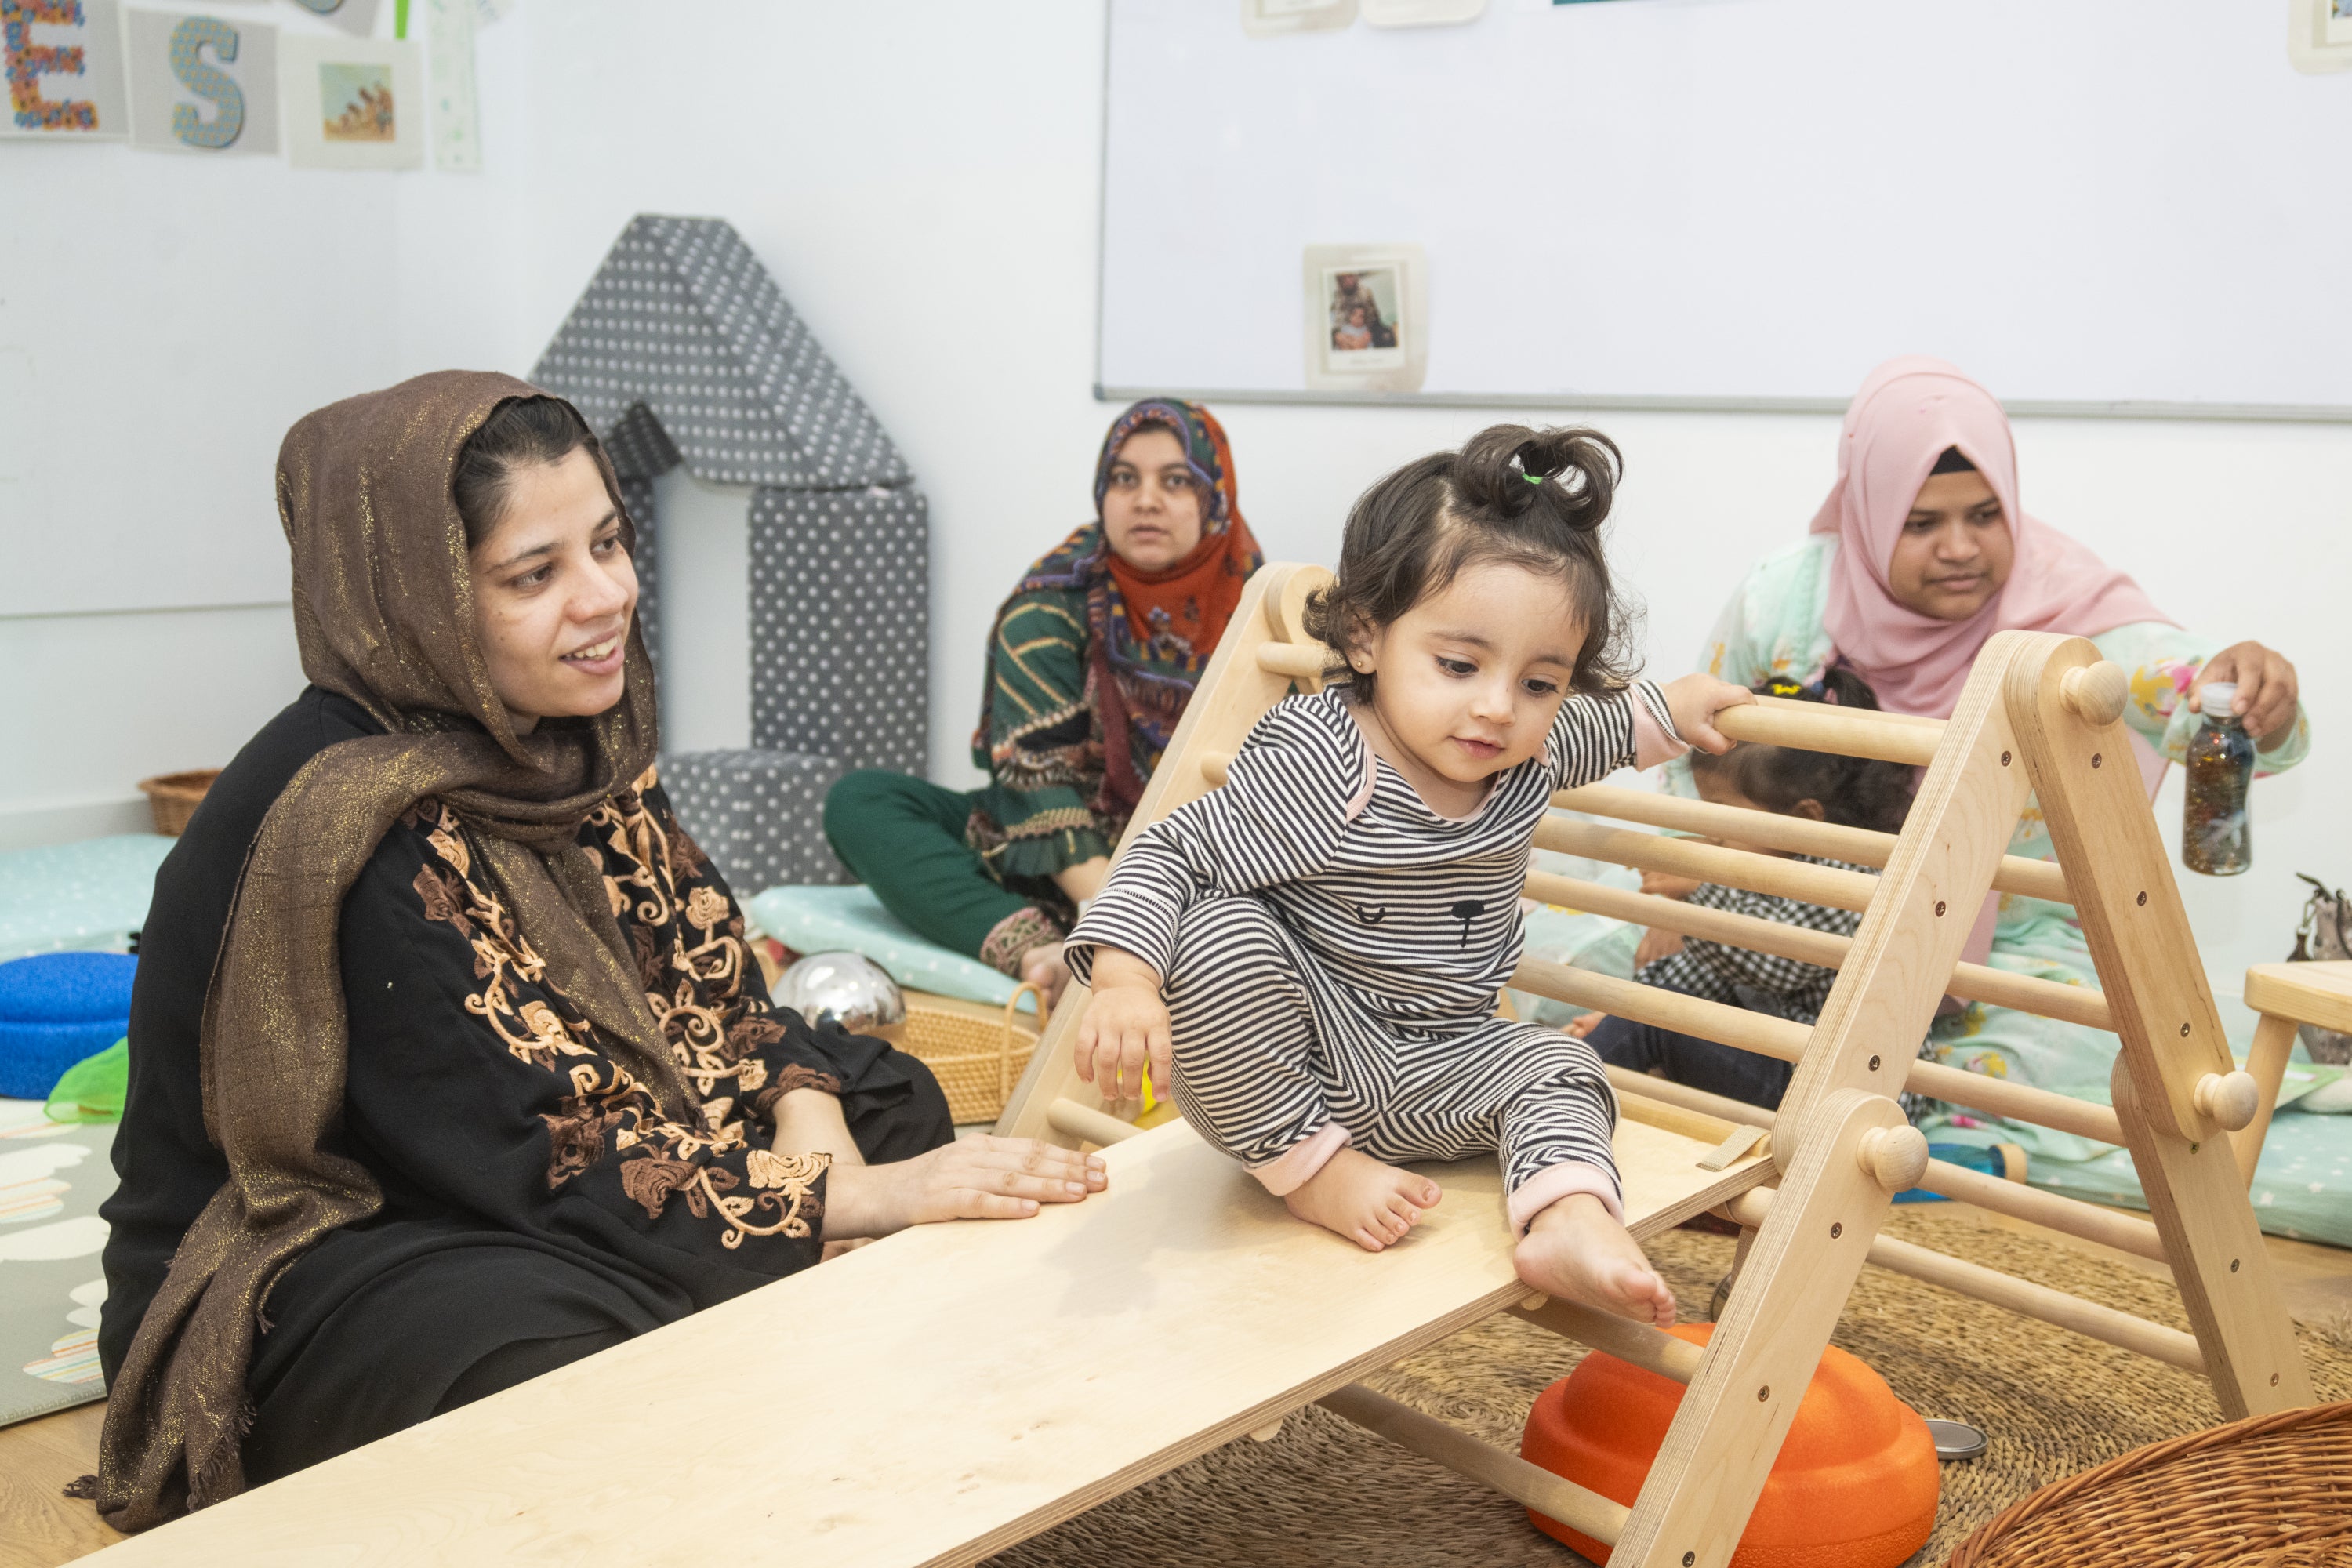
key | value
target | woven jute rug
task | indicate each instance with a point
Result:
(1328, 1492)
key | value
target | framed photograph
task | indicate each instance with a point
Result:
(64, 77)
(1367, 316)
(1421, 13)
(202, 84)
(351, 103)
(1273, 18)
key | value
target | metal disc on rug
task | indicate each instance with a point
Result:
(1955, 1439)
(844, 988)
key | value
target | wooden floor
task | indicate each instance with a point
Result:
(40, 1528)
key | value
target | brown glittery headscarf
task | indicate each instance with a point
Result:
(384, 611)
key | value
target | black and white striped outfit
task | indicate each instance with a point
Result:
(1331, 950)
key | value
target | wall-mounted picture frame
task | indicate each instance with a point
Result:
(351, 103)
(2319, 36)
(1366, 317)
(1421, 13)
(65, 78)
(201, 83)
(1278, 18)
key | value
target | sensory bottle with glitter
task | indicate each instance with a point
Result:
(2216, 835)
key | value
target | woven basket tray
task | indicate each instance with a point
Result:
(976, 1057)
(2270, 1491)
(174, 798)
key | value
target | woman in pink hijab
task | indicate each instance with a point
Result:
(1921, 553)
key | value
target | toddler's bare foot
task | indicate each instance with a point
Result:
(1575, 1249)
(1370, 1204)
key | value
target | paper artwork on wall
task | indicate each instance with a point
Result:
(456, 120)
(63, 59)
(356, 17)
(202, 84)
(1421, 13)
(1367, 318)
(351, 103)
(1273, 18)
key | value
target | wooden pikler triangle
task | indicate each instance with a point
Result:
(953, 1389)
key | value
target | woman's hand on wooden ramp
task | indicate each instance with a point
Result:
(1124, 1029)
(972, 1178)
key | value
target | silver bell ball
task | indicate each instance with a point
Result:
(844, 988)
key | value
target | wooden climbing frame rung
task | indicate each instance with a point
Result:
(1794, 834)
(2027, 1299)
(1798, 880)
(1843, 732)
(1781, 1038)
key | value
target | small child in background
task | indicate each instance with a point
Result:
(1320, 943)
(1850, 791)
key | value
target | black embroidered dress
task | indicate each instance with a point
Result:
(536, 1206)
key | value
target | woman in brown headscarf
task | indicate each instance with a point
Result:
(447, 1062)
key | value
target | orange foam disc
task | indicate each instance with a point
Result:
(1854, 1486)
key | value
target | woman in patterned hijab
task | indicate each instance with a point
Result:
(1089, 668)
(449, 1063)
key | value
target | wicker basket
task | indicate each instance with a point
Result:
(173, 796)
(2270, 1491)
(976, 1057)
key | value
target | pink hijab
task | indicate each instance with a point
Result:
(1907, 412)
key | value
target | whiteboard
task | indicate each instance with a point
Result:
(2090, 207)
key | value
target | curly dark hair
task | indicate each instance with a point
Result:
(1534, 499)
(1853, 792)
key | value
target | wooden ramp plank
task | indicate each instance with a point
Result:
(911, 1403)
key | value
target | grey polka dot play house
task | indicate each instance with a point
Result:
(683, 350)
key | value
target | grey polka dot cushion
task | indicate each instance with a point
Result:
(683, 350)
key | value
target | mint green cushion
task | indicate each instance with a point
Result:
(92, 894)
(852, 919)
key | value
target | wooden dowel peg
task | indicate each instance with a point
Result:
(2096, 693)
(1072, 1120)
(1298, 660)
(1896, 1157)
(1213, 766)
(1269, 1432)
(2231, 1098)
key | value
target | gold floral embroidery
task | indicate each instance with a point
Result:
(688, 944)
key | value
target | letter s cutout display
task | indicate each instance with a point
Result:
(188, 40)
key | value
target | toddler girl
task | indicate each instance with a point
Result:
(1319, 944)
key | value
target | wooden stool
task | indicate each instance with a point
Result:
(2286, 995)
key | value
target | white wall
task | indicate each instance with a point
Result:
(921, 177)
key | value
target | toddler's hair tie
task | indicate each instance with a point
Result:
(1532, 479)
